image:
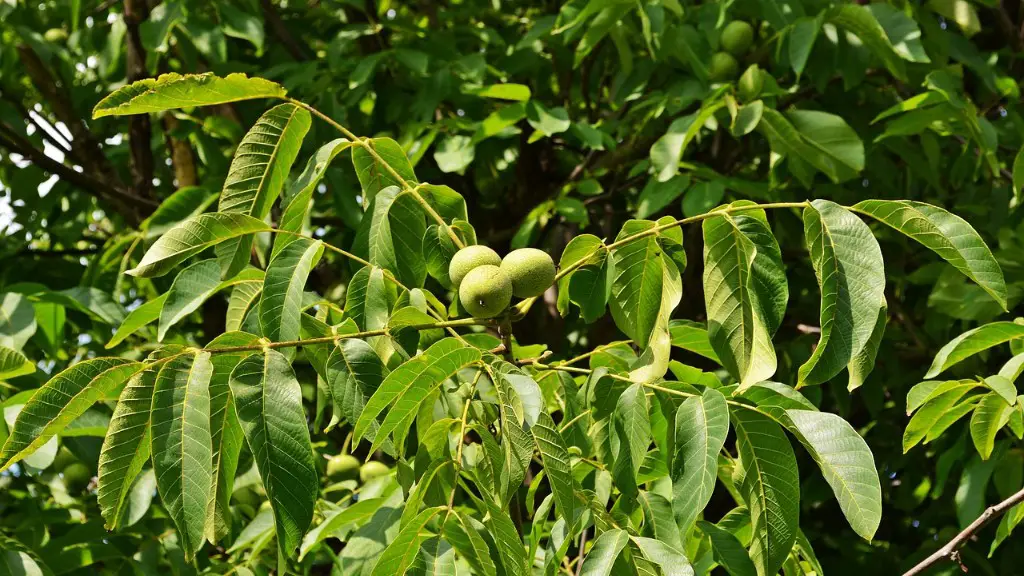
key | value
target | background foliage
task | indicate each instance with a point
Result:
(551, 121)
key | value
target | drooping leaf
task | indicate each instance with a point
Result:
(863, 363)
(372, 173)
(672, 561)
(170, 91)
(257, 173)
(225, 432)
(244, 297)
(391, 236)
(637, 287)
(280, 310)
(728, 551)
(192, 237)
(972, 342)
(990, 415)
(354, 373)
(701, 427)
(468, 541)
(297, 200)
(770, 487)
(557, 466)
(848, 264)
(400, 554)
(62, 399)
(138, 318)
(602, 555)
(860, 21)
(190, 289)
(180, 444)
(692, 336)
(846, 463)
(801, 40)
(268, 401)
(820, 139)
(410, 383)
(669, 149)
(944, 233)
(186, 202)
(631, 436)
(738, 319)
(17, 321)
(14, 364)
(126, 447)
(337, 520)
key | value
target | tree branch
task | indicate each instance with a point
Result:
(140, 130)
(951, 550)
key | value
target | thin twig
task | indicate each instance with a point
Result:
(951, 550)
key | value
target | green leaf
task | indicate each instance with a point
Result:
(400, 554)
(62, 399)
(590, 287)
(972, 342)
(673, 562)
(902, 31)
(268, 401)
(257, 173)
(938, 411)
(822, 140)
(557, 466)
(280, 310)
(470, 544)
(801, 40)
(297, 199)
(191, 287)
(744, 296)
(225, 433)
(946, 234)
(701, 427)
(692, 336)
(848, 264)
(170, 91)
(126, 446)
(373, 176)
(990, 415)
(863, 363)
(391, 236)
(846, 463)
(638, 283)
(186, 202)
(138, 318)
(704, 196)
(455, 154)
(860, 21)
(1004, 387)
(17, 321)
(192, 237)
(1018, 174)
(602, 555)
(354, 372)
(728, 551)
(631, 437)
(181, 446)
(14, 364)
(368, 299)
(547, 121)
(337, 521)
(409, 384)
(669, 149)
(770, 486)
(656, 196)
(243, 298)
(514, 92)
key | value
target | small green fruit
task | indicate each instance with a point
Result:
(485, 292)
(373, 469)
(469, 258)
(342, 467)
(723, 67)
(737, 37)
(76, 477)
(532, 271)
(750, 84)
(55, 35)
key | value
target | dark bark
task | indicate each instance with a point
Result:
(140, 130)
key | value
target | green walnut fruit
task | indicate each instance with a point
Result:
(55, 35)
(723, 67)
(469, 258)
(373, 469)
(486, 291)
(342, 467)
(750, 84)
(737, 37)
(532, 271)
(76, 477)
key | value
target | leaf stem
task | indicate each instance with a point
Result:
(361, 142)
(329, 339)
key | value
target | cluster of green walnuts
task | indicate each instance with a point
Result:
(486, 282)
(736, 39)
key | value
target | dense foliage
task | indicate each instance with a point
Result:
(781, 336)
